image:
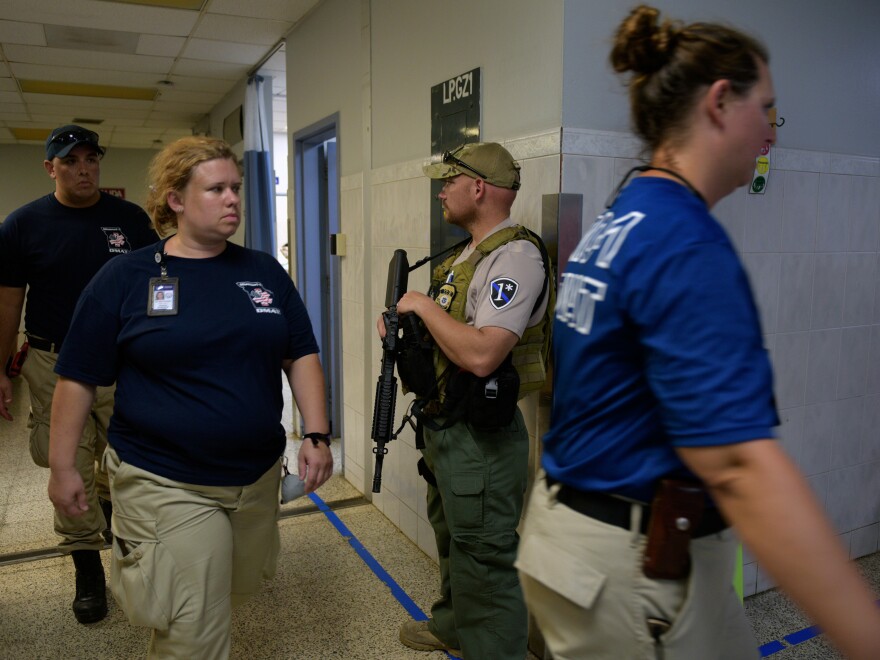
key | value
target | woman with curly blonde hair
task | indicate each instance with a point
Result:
(196, 331)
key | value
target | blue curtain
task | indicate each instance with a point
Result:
(259, 175)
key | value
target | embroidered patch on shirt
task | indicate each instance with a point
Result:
(502, 291)
(446, 296)
(117, 242)
(261, 297)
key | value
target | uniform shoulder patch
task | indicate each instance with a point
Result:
(502, 291)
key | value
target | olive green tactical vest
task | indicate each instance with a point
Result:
(531, 351)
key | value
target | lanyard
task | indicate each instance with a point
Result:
(647, 168)
(163, 292)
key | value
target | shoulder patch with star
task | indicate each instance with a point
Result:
(502, 291)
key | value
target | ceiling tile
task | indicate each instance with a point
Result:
(91, 39)
(214, 85)
(178, 96)
(85, 59)
(102, 15)
(87, 105)
(223, 43)
(280, 10)
(154, 44)
(241, 29)
(224, 51)
(96, 76)
(206, 69)
(16, 32)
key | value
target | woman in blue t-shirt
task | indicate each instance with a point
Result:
(663, 414)
(196, 332)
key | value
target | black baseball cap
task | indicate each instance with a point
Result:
(64, 138)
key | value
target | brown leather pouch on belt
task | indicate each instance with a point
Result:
(675, 512)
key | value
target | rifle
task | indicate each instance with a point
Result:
(386, 388)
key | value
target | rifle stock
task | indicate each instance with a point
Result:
(386, 387)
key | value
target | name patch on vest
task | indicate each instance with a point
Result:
(502, 291)
(445, 296)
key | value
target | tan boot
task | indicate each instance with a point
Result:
(415, 634)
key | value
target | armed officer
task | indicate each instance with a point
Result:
(488, 315)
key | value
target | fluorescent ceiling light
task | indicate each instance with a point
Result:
(171, 4)
(113, 41)
(35, 134)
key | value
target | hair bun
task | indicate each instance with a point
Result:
(641, 43)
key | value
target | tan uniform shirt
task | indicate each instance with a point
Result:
(506, 284)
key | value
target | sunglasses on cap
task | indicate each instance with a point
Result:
(69, 137)
(448, 158)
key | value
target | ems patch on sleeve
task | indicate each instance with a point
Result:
(502, 291)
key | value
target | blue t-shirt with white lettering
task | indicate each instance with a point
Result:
(199, 394)
(657, 345)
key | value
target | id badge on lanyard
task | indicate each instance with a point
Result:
(163, 292)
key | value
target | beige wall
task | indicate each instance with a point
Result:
(415, 45)
(21, 168)
(325, 64)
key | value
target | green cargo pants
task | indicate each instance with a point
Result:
(474, 510)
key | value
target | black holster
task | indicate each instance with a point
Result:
(426, 473)
(486, 403)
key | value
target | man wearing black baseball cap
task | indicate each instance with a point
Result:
(64, 138)
(51, 248)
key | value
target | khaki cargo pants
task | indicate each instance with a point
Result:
(185, 555)
(82, 532)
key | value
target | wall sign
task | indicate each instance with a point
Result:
(455, 120)
(762, 172)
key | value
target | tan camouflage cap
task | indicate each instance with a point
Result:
(479, 160)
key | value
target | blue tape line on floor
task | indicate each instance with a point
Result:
(406, 602)
(770, 648)
(803, 635)
(793, 639)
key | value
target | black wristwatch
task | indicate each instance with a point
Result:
(315, 437)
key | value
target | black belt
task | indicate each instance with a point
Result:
(44, 344)
(616, 511)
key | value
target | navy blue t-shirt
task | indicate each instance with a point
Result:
(55, 250)
(657, 344)
(199, 394)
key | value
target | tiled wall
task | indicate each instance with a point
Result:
(811, 246)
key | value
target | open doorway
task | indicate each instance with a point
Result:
(316, 193)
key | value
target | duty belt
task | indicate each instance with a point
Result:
(44, 344)
(616, 511)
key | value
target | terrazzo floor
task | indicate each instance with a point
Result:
(325, 601)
